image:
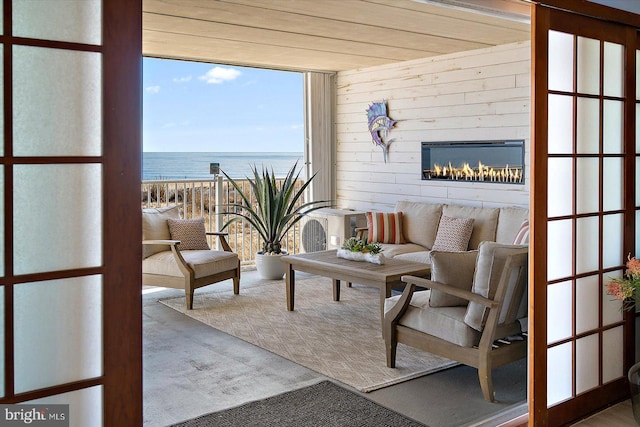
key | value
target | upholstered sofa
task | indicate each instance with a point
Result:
(417, 228)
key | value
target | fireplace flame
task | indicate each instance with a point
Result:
(482, 172)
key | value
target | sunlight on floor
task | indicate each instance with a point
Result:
(152, 289)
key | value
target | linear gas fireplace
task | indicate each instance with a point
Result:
(479, 161)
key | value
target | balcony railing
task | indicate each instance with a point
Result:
(209, 198)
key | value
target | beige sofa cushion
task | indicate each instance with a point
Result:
(455, 269)
(155, 227)
(485, 221)
(509, 222)
(204, 263)
(420, 221)
(419, 256)
(444, 322)
(391, 251)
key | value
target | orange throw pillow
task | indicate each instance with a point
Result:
(385, 227)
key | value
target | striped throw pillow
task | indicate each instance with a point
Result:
(385, 227)
(522, 236)
(453, 234)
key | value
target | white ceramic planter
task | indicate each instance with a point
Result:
(270, 267)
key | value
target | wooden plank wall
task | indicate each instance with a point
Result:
(476, 95)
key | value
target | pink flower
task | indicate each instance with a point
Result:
(619, 289)
(633, 267)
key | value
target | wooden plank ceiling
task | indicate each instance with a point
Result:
(319, 35)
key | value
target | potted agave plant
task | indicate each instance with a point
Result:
(273, 213)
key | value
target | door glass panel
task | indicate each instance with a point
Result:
(637, 187)
(560, 61)
(1, 94)
(69, 197)
(53, 320)
(612, 133)
(559, 250)
(611, 307)
(587, 247)
(560, 187)
(612, 347)
(85, 406)
(587, 363)
(612, 244)
(2, 377)
(588, 129)
(66, 120)
(587, 183)
(559, 371)
(588, 293)
(612, 184)
(588, 57)
(637, 252)
(58, 20)
(559, 302)
(560, 124)
(637, 74)
(613, 76)
(2, 273)
(637, 128)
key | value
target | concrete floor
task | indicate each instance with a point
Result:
(190, 369)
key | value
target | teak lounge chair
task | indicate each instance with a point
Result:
(469, 314)
(176, 253)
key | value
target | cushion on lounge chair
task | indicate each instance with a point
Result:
(204, 263)
(443, 322)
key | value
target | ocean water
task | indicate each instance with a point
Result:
(196, 165)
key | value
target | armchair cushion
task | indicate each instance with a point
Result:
(455, 269)
(204, 263)
(489, 266)
(453, 234)
(446, 323)
(190, 232)
(155, 227)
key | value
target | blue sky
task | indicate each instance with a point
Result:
(191, 106)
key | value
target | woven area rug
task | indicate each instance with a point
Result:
(342, 340)
(323, 405)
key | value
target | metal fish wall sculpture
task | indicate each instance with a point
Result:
(379, 126)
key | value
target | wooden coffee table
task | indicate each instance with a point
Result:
(327, 264)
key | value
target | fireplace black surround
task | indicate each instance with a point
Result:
(478, 161)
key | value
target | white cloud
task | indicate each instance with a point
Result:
(219, 75)
(153, 89)
(184, 79)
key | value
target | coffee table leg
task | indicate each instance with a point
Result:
(336, 290)
(290, 286)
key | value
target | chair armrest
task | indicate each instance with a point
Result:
(221, 235)
(360, 232)
(398, 310)
(461, 293)
(161, 242)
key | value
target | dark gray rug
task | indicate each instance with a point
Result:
(323, 405)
